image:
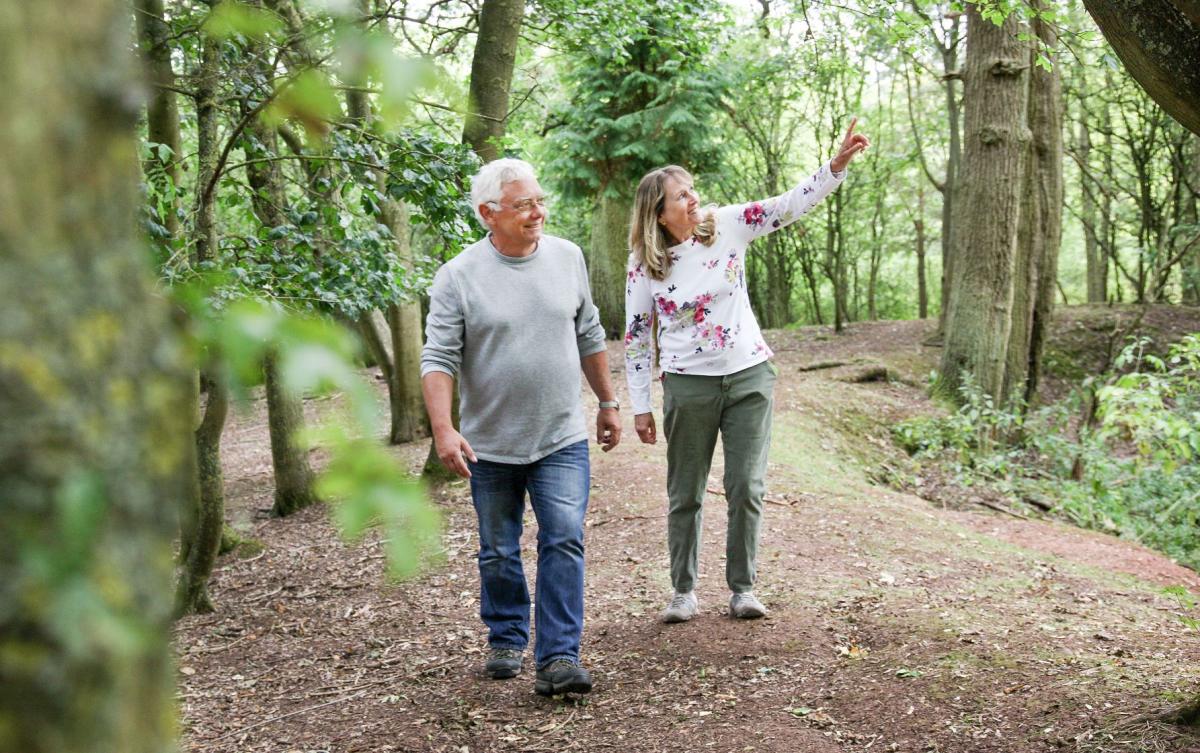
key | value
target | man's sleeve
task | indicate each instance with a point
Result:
(444, 327)
(589, 332)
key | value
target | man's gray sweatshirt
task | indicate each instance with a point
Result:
(512, 330)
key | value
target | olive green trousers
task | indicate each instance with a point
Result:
(696, 409)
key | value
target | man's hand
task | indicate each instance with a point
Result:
(644, 423)
(608, 428)
(454, 452)
(853, 145)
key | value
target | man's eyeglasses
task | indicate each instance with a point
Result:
(524, 205)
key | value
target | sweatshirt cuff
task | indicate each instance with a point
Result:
(640, 403)
(428, 368)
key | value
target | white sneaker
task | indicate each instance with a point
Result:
(682, 608)
(746, 607)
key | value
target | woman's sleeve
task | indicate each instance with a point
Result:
(639, 339)
(758, 218)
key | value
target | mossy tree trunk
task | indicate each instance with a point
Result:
(979, 320)
(93, 399)
(607, 256)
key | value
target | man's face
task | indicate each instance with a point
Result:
(520, 216)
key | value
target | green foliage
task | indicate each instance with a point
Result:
(1135, 474)
(234, 19)
(644, 104)
(315, 356)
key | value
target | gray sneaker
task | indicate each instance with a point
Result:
(504, 663)
(682, 608)
(746, 607)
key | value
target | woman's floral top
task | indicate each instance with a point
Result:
(705, 324)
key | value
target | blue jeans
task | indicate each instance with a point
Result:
(558, 492)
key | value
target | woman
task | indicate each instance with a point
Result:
(686, 281)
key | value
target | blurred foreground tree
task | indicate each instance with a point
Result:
(94, 423)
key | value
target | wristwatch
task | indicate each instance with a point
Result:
(610, 404)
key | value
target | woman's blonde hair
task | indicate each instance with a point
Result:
(648, 239)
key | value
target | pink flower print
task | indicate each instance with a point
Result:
(720, 336)
(667, 306)
(733, 272)
(710, 264)
(754, 215)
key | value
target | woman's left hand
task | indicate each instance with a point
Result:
(853, 145)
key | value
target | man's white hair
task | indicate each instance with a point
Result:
(488, 184)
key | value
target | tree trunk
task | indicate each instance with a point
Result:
(1097, 266)
(919, 228)
(491, 75)
(985, 228)
(93, 399)
(403, 369)
(1108, 228)
(953, 168)
(1191, 216)
(607, 256)
(162, 111)
(199, 554)
(778, 309)
(285, 417)
(201, 538)
(285, 411)
(1156, 39)
(1046, 182)
(408, 407)
(404, 323)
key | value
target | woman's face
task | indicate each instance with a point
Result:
(681, 207)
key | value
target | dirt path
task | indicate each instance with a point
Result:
(895, 625)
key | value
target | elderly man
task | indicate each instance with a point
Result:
(512, 318)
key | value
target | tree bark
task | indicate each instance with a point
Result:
(285, 418)
(1097, 260)
(201, 547)
(607, 256)
(919, 228)
(949, 187)
(162, 110)
(1046, 183)
(93, 399)
(285, 411)
(201, 538)
(979, 320)
(403, 371)
(491, 75)
(1191, 216)
(1156, 39)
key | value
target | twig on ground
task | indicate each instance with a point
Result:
(298, 712)
(1000, 508)
(598, 523)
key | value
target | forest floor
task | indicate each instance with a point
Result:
(897, 623)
